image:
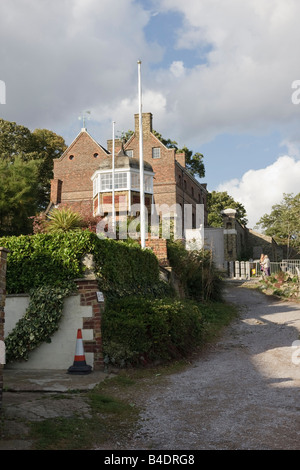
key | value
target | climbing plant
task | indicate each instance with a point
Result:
(38, 324)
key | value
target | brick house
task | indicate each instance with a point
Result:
(72, 184)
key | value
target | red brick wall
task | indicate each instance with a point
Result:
(172, 185)
(88, 289)
(85, 208)
(72, 185)
(56, 190)
(159, 248)
(74, 169)
(164, 167)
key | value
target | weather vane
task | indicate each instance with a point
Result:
(84, 117)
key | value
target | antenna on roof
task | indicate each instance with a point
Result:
(83, 117)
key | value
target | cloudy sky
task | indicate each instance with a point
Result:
(219, 76)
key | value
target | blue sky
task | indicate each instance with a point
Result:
(217, 76)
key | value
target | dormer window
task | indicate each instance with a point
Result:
(155, 152)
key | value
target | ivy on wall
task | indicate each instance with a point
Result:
(39, 323)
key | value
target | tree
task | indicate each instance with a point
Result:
(26, 161)
(47, 146)
(14, 140)
(18, 195)
(283, 223)
(218, 201)
(40, 145)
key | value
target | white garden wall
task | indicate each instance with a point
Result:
(59, 354)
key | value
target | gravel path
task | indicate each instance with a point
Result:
(242, 394)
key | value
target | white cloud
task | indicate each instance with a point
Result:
(177, 68)
(259, 190)
(59, 57)
(245, 83)
(124, 111)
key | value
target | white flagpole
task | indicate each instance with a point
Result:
(142, 194)
(113, 178)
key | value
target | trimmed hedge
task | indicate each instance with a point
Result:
(142, 322)
(55, 260)
(137, 331)
(46, 265)
(43, 259)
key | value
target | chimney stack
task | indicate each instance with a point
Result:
(147, 123)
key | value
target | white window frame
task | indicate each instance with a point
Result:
(124, 181)
(155, 152)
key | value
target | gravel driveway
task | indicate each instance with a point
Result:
(243, 393)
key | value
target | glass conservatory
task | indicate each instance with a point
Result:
(124, 182)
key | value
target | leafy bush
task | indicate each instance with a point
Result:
(44, 259)
(141, 319)
(55, 259)
(45, 265)
(63, 220)
(281, 284)
(196, 271)
(124, 269)
(137, 330)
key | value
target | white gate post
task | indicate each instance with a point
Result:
(237, 269)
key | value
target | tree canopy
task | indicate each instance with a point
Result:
(18, 195)
(218, 201)
(26, 168)
(283, 222)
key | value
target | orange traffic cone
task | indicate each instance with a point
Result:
(79, 365)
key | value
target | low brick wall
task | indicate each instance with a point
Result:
(159, 248)
(3, 257)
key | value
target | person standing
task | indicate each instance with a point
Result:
(267, 265)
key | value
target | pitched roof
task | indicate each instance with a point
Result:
(81, 133)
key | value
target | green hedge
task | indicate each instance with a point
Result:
(55, 260)
(45, 266)
(43, 259)
(198, 275)
(123, 269)
(137, 330)
(142, 320)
